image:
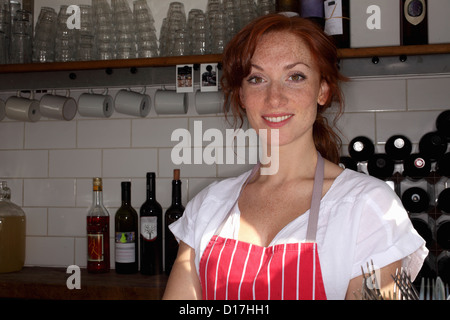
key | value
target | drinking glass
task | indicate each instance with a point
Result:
(5, 28)
(200, 35)
(217, 26)
(21, 42)
(44, 36)
(248, 12)
(265, 7)
(3, 52)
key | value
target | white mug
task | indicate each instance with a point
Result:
(132, 103)
(171, 102)
(2, 110)
(58, 107)
(209, 102)
(95, 105)
(23, 109)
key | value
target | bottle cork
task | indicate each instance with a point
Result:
(176, 174)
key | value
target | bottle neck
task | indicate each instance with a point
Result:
(176, 192)
(97, 198)
(150, 186)
(126, 194)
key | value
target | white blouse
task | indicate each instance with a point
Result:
(361, 220)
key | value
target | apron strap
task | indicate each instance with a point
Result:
(315, 200)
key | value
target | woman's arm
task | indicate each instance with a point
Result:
(385, 277)
(183, 283)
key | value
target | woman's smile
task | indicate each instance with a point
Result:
(277, 120)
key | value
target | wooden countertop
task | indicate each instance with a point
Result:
(50, 283)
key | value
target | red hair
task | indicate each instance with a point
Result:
(237, 65)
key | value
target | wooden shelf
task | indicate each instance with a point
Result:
(211, 58)
(50, 284)
(112, 64)
(394, 51)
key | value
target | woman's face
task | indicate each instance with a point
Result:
(283, 88)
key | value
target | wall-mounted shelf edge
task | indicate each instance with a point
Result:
(394, 51)
(111, 64)
(211, 58)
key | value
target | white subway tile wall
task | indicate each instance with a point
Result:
(49, 165)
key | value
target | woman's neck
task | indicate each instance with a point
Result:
(290, 161)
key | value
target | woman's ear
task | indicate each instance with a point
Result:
(324, 93)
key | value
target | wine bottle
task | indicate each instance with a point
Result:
(433, 145)
(380, 166)
(337, 21)
(443, 231)
(97, 225)
(443, 165)
(126, 231)
(288, 6)
(414, 22)
(313, 10)
(443, 124)
(151, 244)
(398, 147)
(348, 163)
(173, 213)
(361, 148)
(443, 202)
(416, 166)
(415, 200)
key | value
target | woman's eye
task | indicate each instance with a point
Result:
(255, 80)
(297, 77)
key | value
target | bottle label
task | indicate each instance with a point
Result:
(414, 11)
(149, 228)
(95, 247)
(334, 24)
(125, 247)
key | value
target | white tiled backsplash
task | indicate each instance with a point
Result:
(49, 165)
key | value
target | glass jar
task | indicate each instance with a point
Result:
(12, 232)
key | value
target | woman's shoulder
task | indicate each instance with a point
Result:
(357, 185)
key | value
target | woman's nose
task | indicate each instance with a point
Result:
(275, 95)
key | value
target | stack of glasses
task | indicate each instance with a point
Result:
(200, 34)
(147, 42)
(86, 40)
(217, 31)
(44, 36)
(66, 38)
(124, 29)
(21, 44)
(173, 35)
(5, 30)
(104, 30)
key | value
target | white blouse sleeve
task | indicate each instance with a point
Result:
(386, 234)
(184, 228)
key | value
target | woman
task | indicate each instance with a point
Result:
(305, 231)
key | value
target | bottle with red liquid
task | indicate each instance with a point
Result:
(98, 258)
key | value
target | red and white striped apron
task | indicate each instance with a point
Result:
(236, 270)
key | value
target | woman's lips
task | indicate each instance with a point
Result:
(277, 121)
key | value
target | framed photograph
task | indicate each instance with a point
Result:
(185, 78)
(208, 77)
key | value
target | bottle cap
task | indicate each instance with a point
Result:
(97, 182)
